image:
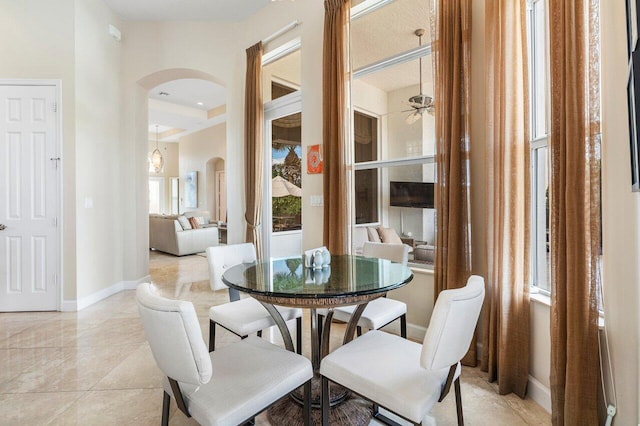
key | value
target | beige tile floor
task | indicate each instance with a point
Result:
(94, 367)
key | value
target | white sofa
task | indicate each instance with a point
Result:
(362, 234)
(423, 253)
(167, 235)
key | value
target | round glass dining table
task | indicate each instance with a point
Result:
(348, 280)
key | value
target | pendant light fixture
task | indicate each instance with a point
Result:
(157, 161)
(421, 102)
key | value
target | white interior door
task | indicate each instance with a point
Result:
(29, 245)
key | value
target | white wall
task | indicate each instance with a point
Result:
(46, 31)
(98, 62)
(621, 217)
(196, 150)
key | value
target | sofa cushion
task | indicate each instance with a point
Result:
(373, 235)
(389, 235)
(194, 223)
(184, 222)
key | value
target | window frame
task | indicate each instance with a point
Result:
(538, 110)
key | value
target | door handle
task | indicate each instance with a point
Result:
(2, 227)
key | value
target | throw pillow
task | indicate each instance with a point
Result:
(389, 235)
(201, 220)
(184, 222)
(373, 235)
(194, 223)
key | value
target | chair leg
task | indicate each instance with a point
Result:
(403, 326)
(212, 336)
(166, 403)
(259, 333)
(307, 403)
(325, 401)
(320, 326)
(456, 384)
(299, 335)
(359, 331)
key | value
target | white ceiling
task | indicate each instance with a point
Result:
(185, 10)
(189, 91)
(179, 109)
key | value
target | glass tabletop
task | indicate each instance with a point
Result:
(347, 275)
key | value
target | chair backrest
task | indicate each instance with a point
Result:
(221, 258)
(174, 335)
(453, 322)
(394, 252)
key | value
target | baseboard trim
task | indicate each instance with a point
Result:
(539, 393)
(78, 305)
(69, 306)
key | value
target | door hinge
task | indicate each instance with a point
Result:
(54, 107)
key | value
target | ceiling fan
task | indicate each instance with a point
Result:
(419, 103)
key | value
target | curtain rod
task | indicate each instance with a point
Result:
(281, 31)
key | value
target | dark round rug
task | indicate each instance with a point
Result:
(353, 411)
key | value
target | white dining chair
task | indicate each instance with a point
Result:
(405, 377)
(245, 316)
(381, 311)
(226, 387)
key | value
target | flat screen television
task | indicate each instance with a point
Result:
(411, 194)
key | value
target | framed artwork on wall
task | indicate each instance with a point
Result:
(314, 159)
(191, 190)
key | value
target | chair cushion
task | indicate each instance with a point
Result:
(248, 376)
(386, 369)
(378, 313)
(247, 316)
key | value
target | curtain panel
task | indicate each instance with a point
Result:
(506, 321)
(451, 53)
(253, 146)
(575, 209)
(335, 174)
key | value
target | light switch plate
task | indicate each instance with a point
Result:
(317, 200)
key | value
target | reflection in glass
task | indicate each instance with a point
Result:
(286, 173)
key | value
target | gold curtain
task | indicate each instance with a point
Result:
(336, 213)
(575, 209)
(253, 146)
(451, 53)
(506, 321)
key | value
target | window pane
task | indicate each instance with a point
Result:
(539, 66)
(404, 211)
(540, 219)
(405, 128)
(366, 193)
(388, 31)
(281, 76)
(286, 173)
(154, 196)
(365, 128)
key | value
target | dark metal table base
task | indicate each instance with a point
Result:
(353, 411)
(337, 394)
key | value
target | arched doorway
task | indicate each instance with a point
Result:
(187, 123)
